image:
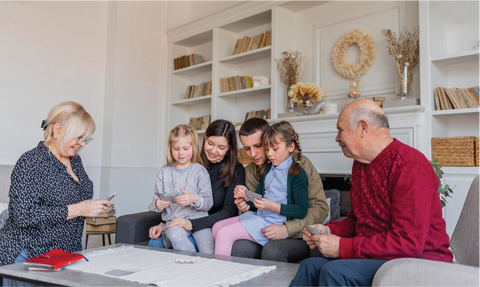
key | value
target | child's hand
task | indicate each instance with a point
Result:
(160, 204)
(156, 231)
(265, 204)
(186, 199)
(239, 191)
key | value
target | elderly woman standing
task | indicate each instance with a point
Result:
(50, 193)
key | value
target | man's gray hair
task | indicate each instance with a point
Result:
(375, 119)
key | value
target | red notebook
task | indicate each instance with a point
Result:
(53, 260)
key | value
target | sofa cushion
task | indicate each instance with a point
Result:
(328, 217)
(334, 196)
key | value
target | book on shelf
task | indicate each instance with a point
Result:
(235, 83)
(200, 123)
(455, 98)
(246, 43)
(100, 228)
(53, 260)
(199, 90)
(378, 100)
(263, 114)
(101, 220)
(473, 95)
(187, 61)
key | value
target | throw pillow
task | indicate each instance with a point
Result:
(328, 217)
(334, 196)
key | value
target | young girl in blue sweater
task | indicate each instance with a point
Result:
(284, 188)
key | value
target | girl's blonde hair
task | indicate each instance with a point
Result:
(74, 120)
(183, 131)
(283, 132)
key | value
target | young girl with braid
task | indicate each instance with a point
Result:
(284, 188)
(183, 189)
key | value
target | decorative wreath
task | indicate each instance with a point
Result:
(367, 54)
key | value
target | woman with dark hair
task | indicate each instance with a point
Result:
(220, 157)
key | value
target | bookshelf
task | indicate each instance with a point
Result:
(216, 46)
(449, 31)
(181, 109)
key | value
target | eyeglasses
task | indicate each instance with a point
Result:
(85, 140)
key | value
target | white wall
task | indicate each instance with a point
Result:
(106, 56)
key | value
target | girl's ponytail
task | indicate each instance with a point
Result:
(295, 168)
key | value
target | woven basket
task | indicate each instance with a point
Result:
(454, 151)
(476, 152)
(243, 157)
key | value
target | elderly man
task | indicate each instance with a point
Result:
(396, 209)
(285, 242)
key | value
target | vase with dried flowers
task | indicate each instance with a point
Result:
(291, 67)
(306, 95)
(405, 52)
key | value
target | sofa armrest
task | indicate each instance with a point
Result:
(133, 228)
(421, 272)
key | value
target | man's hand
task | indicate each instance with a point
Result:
(242, 204)
(328, 245)
(156, 231)
(307, 236)
(181, 222)
(186, 199)
(275, 232)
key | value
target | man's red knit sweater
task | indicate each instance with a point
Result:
(396, 210)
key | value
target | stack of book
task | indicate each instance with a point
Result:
(195, 91)
(200, 123)
(454, 98)
(263, 114)
(246, 43)
(187, 61)
(102, 223)
(235, 83)
(378, 100)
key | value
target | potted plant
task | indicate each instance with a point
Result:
(444, 190)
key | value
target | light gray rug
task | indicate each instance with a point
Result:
(159, 268)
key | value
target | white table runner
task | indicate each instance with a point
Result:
(159, 268)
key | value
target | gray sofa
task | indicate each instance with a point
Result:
(464, 244)
(133, 228)
(5, 174)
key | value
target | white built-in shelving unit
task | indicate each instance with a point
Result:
(449, 30)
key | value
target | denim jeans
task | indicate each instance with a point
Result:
(158, 243)
(22, 256)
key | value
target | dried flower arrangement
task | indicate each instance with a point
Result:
(367, 54)
(306, 94)
(405, 52)
(291, 67)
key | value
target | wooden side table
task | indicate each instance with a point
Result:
(103, 224)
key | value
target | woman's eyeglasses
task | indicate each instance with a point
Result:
(85, 140)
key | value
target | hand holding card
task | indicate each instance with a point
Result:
(250, 195)
(312, 230)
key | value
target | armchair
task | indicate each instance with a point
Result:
(464, 245)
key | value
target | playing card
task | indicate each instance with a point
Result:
(168, 195)
(312, 230)
(250, 195)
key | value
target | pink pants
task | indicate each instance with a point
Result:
(226, 232)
